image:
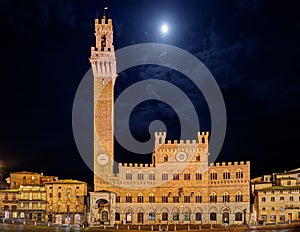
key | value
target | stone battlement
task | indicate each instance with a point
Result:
(227, 164)
(136, 165)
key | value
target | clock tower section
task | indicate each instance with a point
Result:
(103, 63)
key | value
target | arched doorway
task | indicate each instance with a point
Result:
(225, 216)
(103, 211)
(140, 218)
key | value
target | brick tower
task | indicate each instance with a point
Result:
(103, 63)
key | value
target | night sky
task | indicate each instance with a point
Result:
(250, 47)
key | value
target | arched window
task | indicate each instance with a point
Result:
(140, 198)
(175, 175)
(238, 217)
(239, 174)
(239, 197)
(151, 198)
(187, 198)
(198, 176)
(213, 216)
(198, 198)
(213, 198)
(164, 216)
(226, 175)
(6, 197)
(187, 175)
(198, 216)
(128, 175)
(164, 198)
(164, 176)
(175, 198)
(226, 197)
(128, 198)
(14, 197)
(117, 216)
(118, 198)
(213, 175)
(140, 175)
(151, 175)
(165, 158)
(197, 157)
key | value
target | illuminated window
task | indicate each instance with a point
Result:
(226, 175)
(151, 198)
(198, 198)
(128, 175)
(128, 198)
(226, 197)
(213, 198)
(164, 198)
(140, 175)
(187, 175)
(140, 198)
(239, 197)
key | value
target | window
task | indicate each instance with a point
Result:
(263, 217)
(272, 208)
(213, 198)
(213, 216)
(226, 175)
(175, 216)
(140, 176)
(198, 198)
(151, 176)
(50, 195)
(151, 216)
(198, 216)
(239, 197)
(213, 175)
(238, 217)
(59, 195)
(151, 198)
(197, 157)
(117, 216)
(164, 216)
(187, 216)
(6, 197)
(281, 199)
(176, 198)
(226, 197)
(140, 198)
(14, 197)
(282, 217)
(69, 195)
(186, 176)
(239, 174)
(164, 176)
(263, 199)
(30, 205)
(291, 198)
(272, 199)
(165, 158)
(198, 176)
(175, 176)
(272, 217)
(288, 182)
(128, 175)
(39, 195)
(128, 198)
(263, 209)
(187, 199)
(68, 208)
(22, 204)
(118, 198)
(164, 198)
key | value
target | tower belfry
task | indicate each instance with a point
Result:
(103, 63)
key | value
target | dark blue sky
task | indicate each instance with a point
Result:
(250, 47)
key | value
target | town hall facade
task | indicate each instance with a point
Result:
(178, 187)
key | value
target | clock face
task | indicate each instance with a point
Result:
(102, 159)
(181, 156)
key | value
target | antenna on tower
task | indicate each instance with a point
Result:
(105, 10)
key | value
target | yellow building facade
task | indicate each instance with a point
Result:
(66, 201)
(179, 186)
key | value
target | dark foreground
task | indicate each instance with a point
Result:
(293, 227)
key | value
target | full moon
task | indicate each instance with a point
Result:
(164, 28)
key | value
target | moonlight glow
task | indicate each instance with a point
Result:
(164, 28)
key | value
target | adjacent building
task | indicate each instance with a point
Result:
(279, 202)
(66, 201)
(179, 186)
